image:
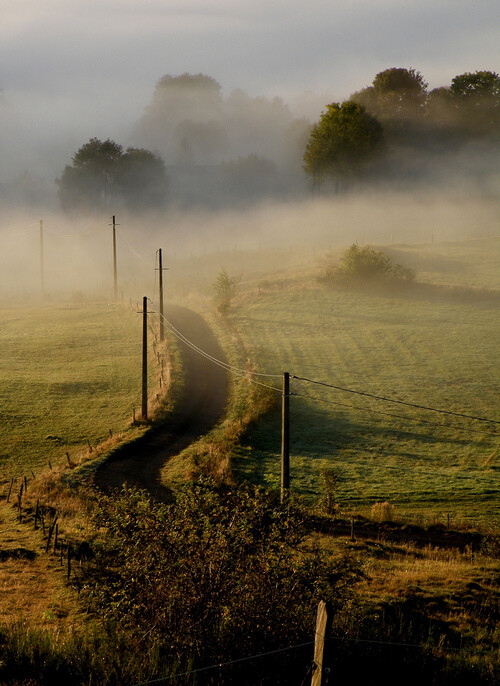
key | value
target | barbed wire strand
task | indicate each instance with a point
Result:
(242, 372)
(366, 641)
(399, 402)
(454, 427)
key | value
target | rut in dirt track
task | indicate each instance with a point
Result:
(201, 406)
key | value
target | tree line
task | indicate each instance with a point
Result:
(388, 130)
(397, 114)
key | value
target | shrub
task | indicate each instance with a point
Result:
(367, 265)
(330, 479)
(219, 573)
(383, 512)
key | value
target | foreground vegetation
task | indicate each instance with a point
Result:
(185, 590)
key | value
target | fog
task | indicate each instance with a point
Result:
(268, 239)
(221, 151)
(236, 195)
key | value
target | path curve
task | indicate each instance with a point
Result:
(201, 407)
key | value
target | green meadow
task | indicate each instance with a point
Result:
(69, 374)
(438, 349)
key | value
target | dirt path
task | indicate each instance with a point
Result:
(202, 405)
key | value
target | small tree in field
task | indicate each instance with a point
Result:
(225, 287)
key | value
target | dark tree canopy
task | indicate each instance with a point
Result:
(478, 87)
(342, 142)
(395, 93)
(103, 174)
(399, 91)
(476, 101)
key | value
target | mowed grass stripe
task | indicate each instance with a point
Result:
(432, 353)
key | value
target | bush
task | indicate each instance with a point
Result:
(366, 265)
(383, 512)
(218, 574)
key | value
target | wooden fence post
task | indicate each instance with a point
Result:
(10, 489)
(323, 624)
(51, 531)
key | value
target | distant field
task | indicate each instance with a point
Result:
(68, 374)
(443, 353)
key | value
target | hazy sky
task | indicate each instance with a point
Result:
(72, 69)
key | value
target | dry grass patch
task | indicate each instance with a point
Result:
(33, 584)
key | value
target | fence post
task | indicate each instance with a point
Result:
(10, 489)
(323, 624)
(51, 531)
(285, 437)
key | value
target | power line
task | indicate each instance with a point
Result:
(399, 402)
(243, 372)
(134, 251)
(70, 235)
(225, 365)
(396, 416)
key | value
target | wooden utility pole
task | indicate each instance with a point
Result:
(144, 359)
(115, 272)
(42, 277)
(285, 436)
(323, 624)
(160, 280)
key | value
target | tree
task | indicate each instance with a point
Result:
(183, 119)
(142, 178)
(482, 86)
(395, 93)
(225, 287)
(102, 175)
(341, 144)
(476, 98)
(399, 92)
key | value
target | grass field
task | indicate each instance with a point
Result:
(440, 352)
(68, 375)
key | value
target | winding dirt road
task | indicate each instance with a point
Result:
(201, 406)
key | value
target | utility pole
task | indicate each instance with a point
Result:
(285, 437)
(42, 279)
(115, 273)
(144, 359)
(160, 280)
